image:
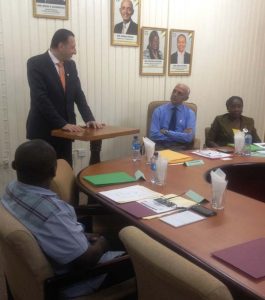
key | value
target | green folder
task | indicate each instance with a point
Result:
(110, 178)
(253, 148)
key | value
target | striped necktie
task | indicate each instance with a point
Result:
(61, 73)
(173, 119)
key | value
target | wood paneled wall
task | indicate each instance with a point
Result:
(228, 59)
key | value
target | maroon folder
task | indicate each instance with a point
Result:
(248, 257)
(136, 209)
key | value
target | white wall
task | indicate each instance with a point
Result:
(228, 59)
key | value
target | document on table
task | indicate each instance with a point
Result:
(156, 206)
(212, 154)
(182, 202)
(183, 218)
(130, 193)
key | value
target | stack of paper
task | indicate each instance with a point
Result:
(130, 193)
(174, 157)
(180, 219)
(212, 154)
(182, 202)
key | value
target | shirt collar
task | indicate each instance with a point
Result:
(54, 59)
(34, 188)
(179, 106)
(127, 25)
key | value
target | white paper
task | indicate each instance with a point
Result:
(130, 193)
(183, 218)
(213, 154)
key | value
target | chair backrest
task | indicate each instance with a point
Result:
(154, 104)
(163, 274)
(206, 132)
(64, 182)
(25, 266)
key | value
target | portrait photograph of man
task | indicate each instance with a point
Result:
(180, 52)
(125, 19)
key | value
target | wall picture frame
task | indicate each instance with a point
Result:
(153, 51)
(180, 52)
(125, 22)
(53, 9)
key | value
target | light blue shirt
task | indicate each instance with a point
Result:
(160, 120)
(54, 224)
(52, 221)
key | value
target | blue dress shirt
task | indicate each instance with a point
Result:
(161, 118)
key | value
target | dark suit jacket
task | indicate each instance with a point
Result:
(51, 107)
(133, 28)
(174, 58)
(221, 131)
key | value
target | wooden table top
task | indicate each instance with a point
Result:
(243, 218)
(91, 134)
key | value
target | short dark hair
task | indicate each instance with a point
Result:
(230, 100)
(60, 36)
(181, 35)
(35, 162)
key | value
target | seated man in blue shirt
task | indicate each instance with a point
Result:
(173, 124)
(53, 222)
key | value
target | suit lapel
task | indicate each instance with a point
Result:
(52, 71)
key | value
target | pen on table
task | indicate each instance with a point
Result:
(172, 197)
(165, 213)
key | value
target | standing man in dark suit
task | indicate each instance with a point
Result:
(180, 56)
(54, 89)
(127, 26)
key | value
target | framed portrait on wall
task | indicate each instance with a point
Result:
(54, 9)
(153, 51)
(125, 22)
(180, 52)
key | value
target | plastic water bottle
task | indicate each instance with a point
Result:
(153, 165)
(248, 142)
(136, 148)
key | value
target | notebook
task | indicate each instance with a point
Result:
(174, 157)
(110, 178)
(247, 257)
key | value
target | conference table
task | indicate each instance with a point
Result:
(242, 220)
(92, 134)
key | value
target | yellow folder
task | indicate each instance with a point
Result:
(174, 157)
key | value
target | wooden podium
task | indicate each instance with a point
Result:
(91, 134)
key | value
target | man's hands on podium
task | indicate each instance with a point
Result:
(73, 128)
(95, 124)
(77, 128)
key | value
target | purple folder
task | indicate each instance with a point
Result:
(248, 257)
(136, 209)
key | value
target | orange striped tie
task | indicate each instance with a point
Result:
(61, 73)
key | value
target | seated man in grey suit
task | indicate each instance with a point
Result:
(180, 56)
(127, 26)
